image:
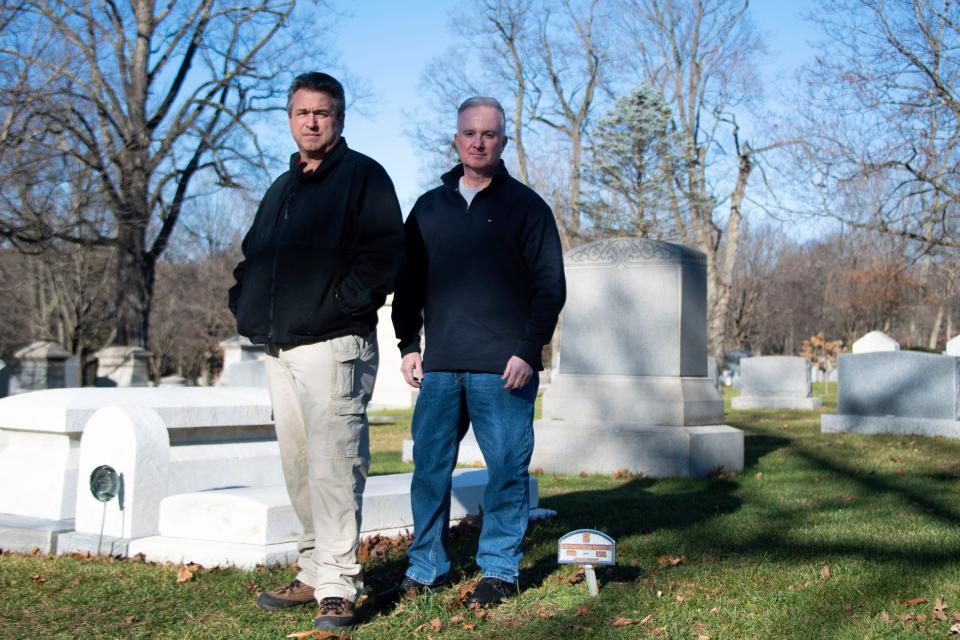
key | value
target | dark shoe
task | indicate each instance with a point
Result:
(408, 589)
(295, 594)
(491, 591)
(334, 613)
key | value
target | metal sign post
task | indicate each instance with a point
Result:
(587, 547)
(104, 485)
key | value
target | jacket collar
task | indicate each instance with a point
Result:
(338, 152)
(452, 178)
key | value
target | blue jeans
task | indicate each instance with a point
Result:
(503, 424)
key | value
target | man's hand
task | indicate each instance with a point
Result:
(517, 373)
(412, 369)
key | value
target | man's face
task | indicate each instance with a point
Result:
(314, 123)
(479, 139)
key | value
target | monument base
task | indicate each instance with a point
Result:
(576, 446)
(79, 542)
(895, 425)
(775, 402)
(23, 534)
(663, 400)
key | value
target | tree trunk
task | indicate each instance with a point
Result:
(135, 276)
(935, 332)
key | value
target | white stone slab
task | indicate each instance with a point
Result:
(134, 442)
(568, 446)
(391, 390)
(263, 515)
(210, 554)
(875, 341)
(953, 346)
(468, 454)
(67, 410)
(23, 534)
(40, 441)
(122, 366)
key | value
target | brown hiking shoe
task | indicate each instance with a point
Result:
(294, 594)
(334, 613)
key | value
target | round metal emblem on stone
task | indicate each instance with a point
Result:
(104, 483)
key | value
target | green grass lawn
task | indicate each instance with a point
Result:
(820, 536)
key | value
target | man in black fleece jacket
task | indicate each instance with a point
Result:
(484, 267)
(318, 262)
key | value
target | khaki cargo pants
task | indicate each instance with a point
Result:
(319, 394)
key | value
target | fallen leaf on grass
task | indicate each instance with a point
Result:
(847, 607)
(130, 619)
(660, 631)
(956, 617)
(940, 609)
(466, 590)
(315, 634)
(185, 573)
(679, 599)
(434, 625)
(920, 617)
(576, 578)
(715, 610)
(671, 561)
(703, 637)
(758, 475)
(659, 593)
(826, 571)
(621, 621)
(543, 613)
(885, 617)
(582, 611)
(905, 618)
(912, 602)
(39, 578)
(456, 619)
(955, 629)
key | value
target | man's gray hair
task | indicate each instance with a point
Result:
(485, 101)
(318, 81)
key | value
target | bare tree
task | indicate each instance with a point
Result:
(881, 107)
(144, 97)
(698, 54)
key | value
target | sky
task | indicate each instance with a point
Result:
(388, 43)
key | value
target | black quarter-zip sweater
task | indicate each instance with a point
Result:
(322, 253)
(487, 278)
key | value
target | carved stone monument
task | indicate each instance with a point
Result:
(632, 390)
(43, 365)
(873, 342)
(953, 346)
(775, 382)
(120, 366)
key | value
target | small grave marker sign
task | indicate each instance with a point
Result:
(587, 547)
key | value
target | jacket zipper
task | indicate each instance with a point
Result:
(279, 226)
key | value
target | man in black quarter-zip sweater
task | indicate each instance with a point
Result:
(484, 267)
(317, 263)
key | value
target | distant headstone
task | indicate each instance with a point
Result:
(71, 372)
(123, 367)
(42, 366)
(631, 390)
(391, 391)
(173, 381)
(775, 382)
(953, 346)
(236, 350)
(4, 379)
(713, 371)
(875, 341)
(247, 373)
(902, 392)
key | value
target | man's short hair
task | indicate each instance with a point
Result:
(318, 81)
(484, 101)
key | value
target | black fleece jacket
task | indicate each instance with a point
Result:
(487, 278)
(322, 253)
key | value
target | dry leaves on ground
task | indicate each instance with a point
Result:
(575, 578)
(955, 629)
(940, 609)
(912, 602)
(621, 621)
(315, 634)
(826, 571)
(466, 590)
(671, 561)
(185, 573)
(434, 625)
(582, 611)
(378, 547)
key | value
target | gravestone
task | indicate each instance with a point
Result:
(173, 381)
(873, 342)
(775, 382)
(247, 373)
(43, 365)
(713, 371)
(4, 379)
(121, 366)
(391, 390)
(953, 347)
(902, 392)
(632, 390)
(238, 350)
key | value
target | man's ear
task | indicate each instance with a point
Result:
(504, 144)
